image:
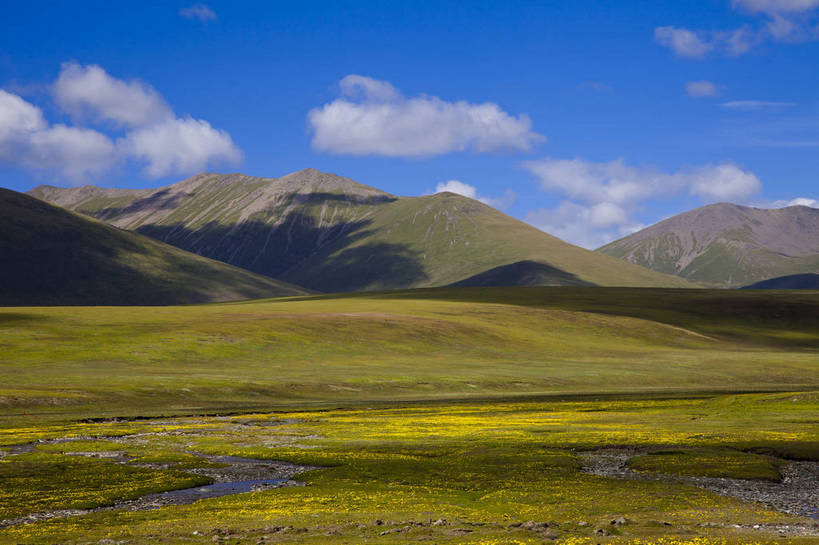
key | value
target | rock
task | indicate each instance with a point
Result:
(379, 522)
(619, 521)
(439, 522)
(582, 523)
(535, 526)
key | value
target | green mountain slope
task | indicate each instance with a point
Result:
(725, 245)
(329, 233)
(790, 282)
(53, 256)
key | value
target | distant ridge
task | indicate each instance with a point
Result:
(51, 256)
(791, 282)
(726, 245)
(330, 233)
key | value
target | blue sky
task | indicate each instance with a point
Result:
(586, 119)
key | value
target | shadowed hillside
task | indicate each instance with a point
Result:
(52, 256)
(791, 282)
(329, 233)
(725, 245)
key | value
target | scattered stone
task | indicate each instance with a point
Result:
(439, 522)
(796, 494)
(618, 521)
(539, 527)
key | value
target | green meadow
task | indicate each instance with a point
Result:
(444, 416)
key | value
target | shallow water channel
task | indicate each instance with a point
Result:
(238, 475)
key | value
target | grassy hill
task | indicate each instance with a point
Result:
(53, 256)
(440, 343)
(329, 233)
(791, 282)
(725, 245)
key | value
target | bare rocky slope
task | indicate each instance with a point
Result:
(726, 245)
(51, 256)
(329, 233)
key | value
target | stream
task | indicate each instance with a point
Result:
(239, 475)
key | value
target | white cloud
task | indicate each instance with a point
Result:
(460, 188)
(74, 152)
(798, 201)
(602, 197)
(781, 21)
(755, 105)
(368, 88)
(18, 118)
(89, 90)
(28, 141)
(200, 12)
(373, 118)
(701, 89)
(166, 144)
(683, 42)
(696, 44)
(179, 146)
(590, 182)
(150, 133)
(722, 183)
(586, 226)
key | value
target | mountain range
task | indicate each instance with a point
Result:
(726, 245)
(51, 256)
(331, 234)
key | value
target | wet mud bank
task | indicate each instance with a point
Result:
(797, 493)
(233, 475)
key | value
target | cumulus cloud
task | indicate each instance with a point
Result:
(90, 91)
(460, 188)
(602, 197)
(27, 140)
(702, 88)
(780, 20)
(149, 132)
(179, 146)
(200, 12)
(722, 183)
(587, 226)
(374, 118)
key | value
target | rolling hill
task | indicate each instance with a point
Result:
(790, 282)
(726, 245)
(329, 233)
(52, 256)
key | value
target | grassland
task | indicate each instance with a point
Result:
(447, 416)
(488, 473)
(427, 344)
